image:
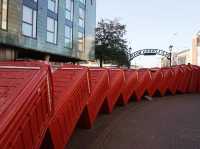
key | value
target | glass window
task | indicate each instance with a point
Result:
(4, 17)
(27, 29)
(51, 30)
(27, 15)
(68, 37)
(69, 9)
(29, 18)
(53, 5)
(82, 1)
(81, 41)
(81, 13)
(81, 23)
(68, 4)
(81, 17)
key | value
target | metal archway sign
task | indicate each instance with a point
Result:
(151, 52)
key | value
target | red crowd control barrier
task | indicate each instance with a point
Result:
(144, 80)
(156, 79)
(187, 74)
(130, 84)
(35, 105)
(26, 104)
(182, 79)
(71, 93)
(193, 86)
(116, 80)
(168, 82)
(99, 84)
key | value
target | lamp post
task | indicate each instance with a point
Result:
(170, 52)
(99, 44)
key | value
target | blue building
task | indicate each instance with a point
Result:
(59, 30)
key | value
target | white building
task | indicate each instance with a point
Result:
(196, 49)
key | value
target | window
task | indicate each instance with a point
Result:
(51, 30)
(82, 1)
(53, 5)
(69, 5)
(29, 22)
(81, 17)
(68, 37)
(4, 14)
(81, 41)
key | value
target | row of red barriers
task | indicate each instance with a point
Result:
(26, 104)
(34, 101)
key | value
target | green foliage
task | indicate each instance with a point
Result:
(110, 43)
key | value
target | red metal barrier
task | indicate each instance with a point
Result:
(130, 84)
(187, 74)
(156, 79)
(194, 80)
(181, 79)
(71, 94)
(29, 105)
(99, 83)
(116, 80)
(168, 81)
(198, 79)
(144, 80)
(26, 104)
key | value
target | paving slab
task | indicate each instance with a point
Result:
(171, 122)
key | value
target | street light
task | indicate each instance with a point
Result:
(170, 54)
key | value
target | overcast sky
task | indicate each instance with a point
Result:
(154, 23)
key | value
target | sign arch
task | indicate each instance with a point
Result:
(150, 52)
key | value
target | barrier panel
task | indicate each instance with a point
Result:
(168, 82)
(129, 86)
(187, 74)
(33, 102)
(116, 80)
(144, 80)
(99, 86)
(26, 104)
(181, 79)
(71, 93)
(198, 80)
(194, 80)
(198, 89)
(156, 79)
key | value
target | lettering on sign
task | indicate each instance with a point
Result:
(150, 52)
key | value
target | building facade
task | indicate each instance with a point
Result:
(196, 49)
(47, 29)
(178, 58)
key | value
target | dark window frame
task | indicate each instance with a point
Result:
(34, 6)
(55, 31)
(1, 7)
(69, 38)
(70, 11)
(55, 8)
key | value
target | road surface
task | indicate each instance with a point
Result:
(171, 122)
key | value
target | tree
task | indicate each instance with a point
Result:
(110, 43)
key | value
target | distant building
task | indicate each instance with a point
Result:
(196, 49)
(178, 58)
(165, 62)
(59, 30)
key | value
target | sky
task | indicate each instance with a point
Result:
(154, 23)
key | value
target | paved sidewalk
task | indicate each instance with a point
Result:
(171, 122)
